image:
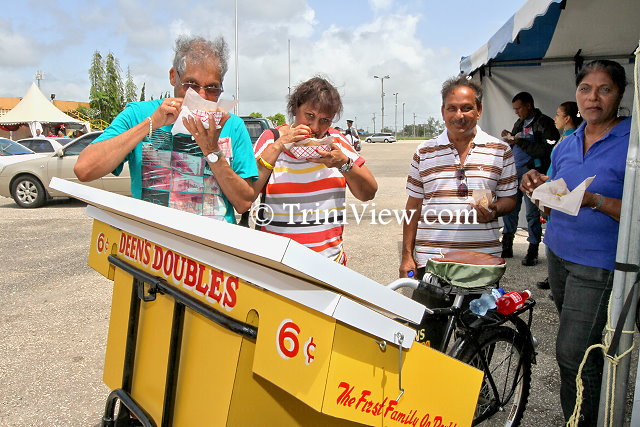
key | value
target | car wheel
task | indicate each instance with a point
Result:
(386, 141)
(369, 140)
(28, 192)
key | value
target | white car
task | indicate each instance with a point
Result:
(381, 137)
(11, 152)
(28, 182)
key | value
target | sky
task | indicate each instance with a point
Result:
(417, 43)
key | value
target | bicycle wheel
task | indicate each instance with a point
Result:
(510, 368)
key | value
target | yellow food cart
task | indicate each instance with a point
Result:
(213, 324)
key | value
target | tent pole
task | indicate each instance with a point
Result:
(628, 252)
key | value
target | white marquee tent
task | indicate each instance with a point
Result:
(538, 49)
(35, 108)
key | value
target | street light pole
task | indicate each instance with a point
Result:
(374, 122)
(395, 124)
(235, 107)
(382, 99)
(403, 119)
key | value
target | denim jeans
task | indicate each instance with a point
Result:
(534, 227)
(581, 294)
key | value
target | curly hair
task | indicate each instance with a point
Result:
(318, 92)
(197, 50)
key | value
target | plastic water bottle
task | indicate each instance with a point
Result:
(486, 302)
(512, 301)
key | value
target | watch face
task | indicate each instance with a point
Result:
(212, 157)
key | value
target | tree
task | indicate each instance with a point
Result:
(113, 88)
(97, 94)
(142, 96)
(256, 115)
(433, 127)
(278, 119)
(129, 88)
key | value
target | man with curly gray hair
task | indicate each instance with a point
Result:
(186, 172)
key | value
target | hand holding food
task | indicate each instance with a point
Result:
(532, 180)
(166, 113)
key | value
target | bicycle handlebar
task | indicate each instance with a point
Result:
(429, 283)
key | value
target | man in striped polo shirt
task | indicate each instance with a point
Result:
(444, 173)
(305, 187)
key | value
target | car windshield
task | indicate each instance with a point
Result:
(80, 144)
(10, 148)
(38, 145)
(255, 130)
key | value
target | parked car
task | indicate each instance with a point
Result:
(255, 126)
(12, 152)
(381, 137)
(28, 182)
(44, 145)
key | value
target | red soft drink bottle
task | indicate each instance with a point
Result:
(508, 303)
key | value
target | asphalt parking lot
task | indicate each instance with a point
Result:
(55, 309)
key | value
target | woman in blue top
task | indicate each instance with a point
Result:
(581, 249)
(567, 119)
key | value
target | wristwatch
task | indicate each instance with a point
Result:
(347, 166)
(215, 156)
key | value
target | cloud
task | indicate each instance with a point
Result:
(350, 57)
(381, 5)
(16, 50)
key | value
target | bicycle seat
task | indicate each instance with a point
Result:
(467, 269)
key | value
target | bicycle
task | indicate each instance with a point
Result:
(501, 346)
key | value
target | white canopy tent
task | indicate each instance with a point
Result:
(34, 109)
(539, 50)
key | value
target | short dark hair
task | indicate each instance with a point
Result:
(461, 80)
(613, 68)
(320, 93)
(525, 98)
(570, 108)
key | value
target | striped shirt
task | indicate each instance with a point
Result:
(307, 199)
(433, 178)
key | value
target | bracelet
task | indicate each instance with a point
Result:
(600, 201)
(150, 126)
(264, 163)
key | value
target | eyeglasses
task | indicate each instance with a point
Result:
(463, 190)
(209, 90)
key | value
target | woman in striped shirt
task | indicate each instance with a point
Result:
(305, 189)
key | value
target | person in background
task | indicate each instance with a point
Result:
(293, 182)
(443, 173)
(567, 120)
(352, 135)
(581, 249)
(39, 133)
(141, 135)
(531, 150)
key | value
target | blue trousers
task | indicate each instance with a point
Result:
(534, 226)
(581, 294)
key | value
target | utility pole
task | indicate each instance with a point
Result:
(374, 122)
(414, 125)
(289, 67)
(403, 119)
(235, 108)
(382, 99)
(395, 125)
